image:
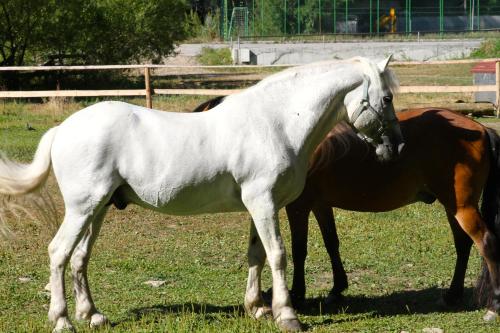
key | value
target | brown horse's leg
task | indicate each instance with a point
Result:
(463, 244)
(487, 244)
(326, 221)
(298, 217)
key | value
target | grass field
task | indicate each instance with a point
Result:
(408, 75)
(398, 263)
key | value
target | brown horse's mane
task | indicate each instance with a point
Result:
(211, 103)
(335, 146)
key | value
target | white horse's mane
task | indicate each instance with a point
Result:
(306, 69)
(387, 76)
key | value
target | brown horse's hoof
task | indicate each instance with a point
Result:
(298, 299)
(290, 325)
(449, 303)
(333, 298)
(490, 316)
(451, 299)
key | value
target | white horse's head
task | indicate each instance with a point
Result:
(371, 112)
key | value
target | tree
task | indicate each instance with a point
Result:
(20, 34)
(139, 30)
(87, 32)
(91, 31)
(203, 7)
(20, 31)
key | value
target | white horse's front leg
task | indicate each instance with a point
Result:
(85, 308)
(266, 223)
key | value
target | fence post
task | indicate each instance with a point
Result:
(149, 102)
(497, 74)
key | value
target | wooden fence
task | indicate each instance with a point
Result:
(148, 91)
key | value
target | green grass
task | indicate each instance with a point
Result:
(211, 56)
(398, 264)
(434, 75)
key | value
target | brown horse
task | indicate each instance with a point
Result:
(447, 157)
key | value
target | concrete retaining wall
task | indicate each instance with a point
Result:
(300, 53)
(267, 54)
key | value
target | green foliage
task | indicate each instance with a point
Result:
(211, 56)
(489, 49)
(20, 30)
(193, 24)
(275, 18)
(90, 32)
(211, 27)
(268, 18)
(309, 17)
(199, 31)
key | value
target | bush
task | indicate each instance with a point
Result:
(210, 56)
(489, 49)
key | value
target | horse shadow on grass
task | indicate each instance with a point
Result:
(209, 311)
(405, 302)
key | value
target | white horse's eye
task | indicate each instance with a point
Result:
(388, 99)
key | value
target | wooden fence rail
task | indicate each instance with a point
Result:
(148, 91)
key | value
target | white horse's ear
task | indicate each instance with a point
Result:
(382, 65)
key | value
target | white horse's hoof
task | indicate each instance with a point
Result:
(63, 325)
(287, 320)
(258, 312)
(290, 325)
(490, 316)
(98, 320)
(263, 312)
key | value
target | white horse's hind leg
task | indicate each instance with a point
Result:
(60, 249)
(85, 308)
(254, 303)
(266, 223)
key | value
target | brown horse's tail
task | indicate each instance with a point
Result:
(490, 211)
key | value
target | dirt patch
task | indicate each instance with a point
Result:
(180, 60)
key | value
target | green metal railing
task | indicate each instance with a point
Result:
(373, 17)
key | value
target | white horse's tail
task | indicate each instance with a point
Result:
(18, 178)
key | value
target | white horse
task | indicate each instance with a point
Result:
(252, 153)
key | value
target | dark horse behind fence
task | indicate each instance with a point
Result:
(447, 157)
